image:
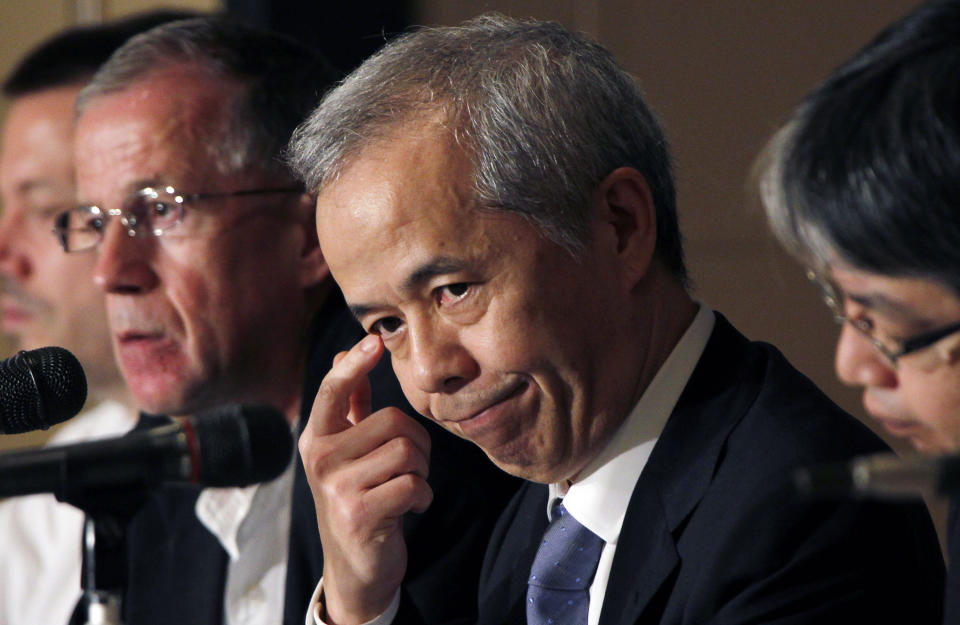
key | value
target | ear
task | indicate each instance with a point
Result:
(949, 349)
(624, 205)
(313, 267)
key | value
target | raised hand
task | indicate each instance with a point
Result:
(365, 471)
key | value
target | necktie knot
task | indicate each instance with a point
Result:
(562, 571)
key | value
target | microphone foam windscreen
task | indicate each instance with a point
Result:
(40, 388)
(242, 445)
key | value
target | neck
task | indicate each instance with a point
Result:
(115, 390)
(661, 311)
(665, 311)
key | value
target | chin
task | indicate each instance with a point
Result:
(520, 466)
(158, 399)
(934, 447)
(531, 469)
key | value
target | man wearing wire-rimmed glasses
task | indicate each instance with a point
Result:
(217, 292)
(872, 212)
(862, 186)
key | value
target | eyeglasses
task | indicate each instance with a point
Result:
(157, 210)
(892, 349)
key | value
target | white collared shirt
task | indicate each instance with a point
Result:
(253, 526)
(599, 498)
(40, 548)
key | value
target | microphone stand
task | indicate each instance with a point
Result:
(104, 576)
(104, 544)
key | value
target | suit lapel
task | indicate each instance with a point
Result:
(674, 481)
(645, 560)
(510, 554)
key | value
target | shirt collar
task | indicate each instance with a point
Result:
(106, 419)
(600, 497)
(231, 514)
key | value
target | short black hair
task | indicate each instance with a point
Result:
(74, 55)
(868, 169)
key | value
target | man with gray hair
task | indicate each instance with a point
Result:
(216, 293)
(496, 203)
(47, 298)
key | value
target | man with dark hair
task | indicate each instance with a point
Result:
(495, 201)
(217, 292)
(863, 186)
(48, 298)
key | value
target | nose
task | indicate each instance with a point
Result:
(124, 263)
(439, 362)
(858, 363)
(13, 263)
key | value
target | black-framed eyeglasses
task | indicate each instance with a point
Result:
(155, 210)
(892, 349)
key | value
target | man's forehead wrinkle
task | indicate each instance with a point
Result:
(412, 191)
(128, 147)
(145, 131)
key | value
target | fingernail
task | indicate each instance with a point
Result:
(369, 343)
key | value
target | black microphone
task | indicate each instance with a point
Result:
(883, 476)
(229, 446)
(40, 388)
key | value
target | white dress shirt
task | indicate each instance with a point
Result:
(601, 494)
(40, 548)
(253, 526)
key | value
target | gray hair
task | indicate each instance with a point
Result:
(544, 113)
(865, 173)
(281, 80)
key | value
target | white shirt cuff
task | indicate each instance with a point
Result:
(315, 609)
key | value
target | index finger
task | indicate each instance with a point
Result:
(333, 407)
(360, 398)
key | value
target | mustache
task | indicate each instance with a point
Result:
(125, 318)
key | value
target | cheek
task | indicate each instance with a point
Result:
(193, 293)
(194, 302)
(935, 398)
(944, 411)
(418, 399)
(76, 273)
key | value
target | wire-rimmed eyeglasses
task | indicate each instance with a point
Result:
(892, 349)
(156, 210)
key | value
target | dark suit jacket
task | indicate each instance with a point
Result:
(177, 568)
(715, 532)
(951, 614)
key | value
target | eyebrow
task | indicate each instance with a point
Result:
(883, 304)
(438, 266)
(143, 183)
(132, 188)
(35, 184)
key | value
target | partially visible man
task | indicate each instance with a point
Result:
(217, 292)
(495, 201)
(48, 298)
(863, 186)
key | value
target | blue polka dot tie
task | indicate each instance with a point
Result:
(558, 588)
